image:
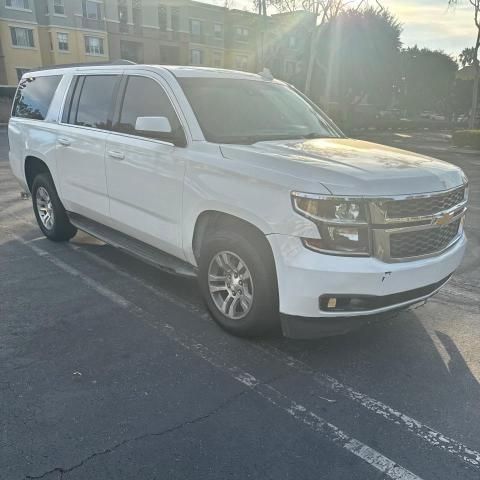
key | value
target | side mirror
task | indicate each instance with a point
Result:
(153, 124)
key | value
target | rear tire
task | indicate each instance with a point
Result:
(237, 272)
(49, 212)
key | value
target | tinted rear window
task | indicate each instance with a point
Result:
(95, 102)
(34, 96)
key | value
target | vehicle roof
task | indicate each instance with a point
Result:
(176, 70)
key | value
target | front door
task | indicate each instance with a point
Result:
(145, 171)
(80, 145)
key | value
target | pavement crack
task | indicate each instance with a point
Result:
(64, 470)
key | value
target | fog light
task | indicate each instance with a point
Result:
(332, 302)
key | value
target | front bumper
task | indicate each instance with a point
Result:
(304, 276)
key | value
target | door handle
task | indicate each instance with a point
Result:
(64, 141)
(116, 154)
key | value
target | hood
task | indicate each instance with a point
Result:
(350, 167)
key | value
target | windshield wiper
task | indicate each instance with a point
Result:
(251, 139)
(312, 135)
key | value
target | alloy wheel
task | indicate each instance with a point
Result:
(45, 208)
(230, 284)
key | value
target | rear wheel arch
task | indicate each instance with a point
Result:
(33, 167)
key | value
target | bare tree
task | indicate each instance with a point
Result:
(476, 63)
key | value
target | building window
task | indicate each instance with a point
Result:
(92, 10)
(162, 17)
(195, 28)
(18, 4)
(21, 72)
(196, 57)
(132, 51)
(62, 41)
(241, 34)
(58, 7)
(94, 45)
(122, 13)
(290, 68)
(218, 30)
(241, 62)
(175, 18)
(292, 42)
(22, 37)
(137, 13)
(217, 59)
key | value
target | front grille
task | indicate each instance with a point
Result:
(422, 242)
(422, 207)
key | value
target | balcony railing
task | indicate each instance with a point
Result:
(90, 23)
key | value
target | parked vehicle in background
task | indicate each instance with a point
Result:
(392, 114)
(241, 181)
(437, 116)
(426, 114)
(432, 116)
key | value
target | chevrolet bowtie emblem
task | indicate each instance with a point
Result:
(444, 219)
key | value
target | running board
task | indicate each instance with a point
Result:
(134, 247)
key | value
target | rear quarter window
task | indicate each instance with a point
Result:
(34, 95)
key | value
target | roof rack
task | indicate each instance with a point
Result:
(90, 64)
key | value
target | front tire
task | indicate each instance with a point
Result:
(238, 282)
(49, 212)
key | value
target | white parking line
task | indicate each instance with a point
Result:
(422, 431)
(266, 391)
(426, 433)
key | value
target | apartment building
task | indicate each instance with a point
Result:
(36, 33)
(286, 47)
(168, 32)
(19, 39)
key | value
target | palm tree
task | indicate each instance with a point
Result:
(467, 56)
(473, 57)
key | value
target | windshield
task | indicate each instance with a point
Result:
(249, 111)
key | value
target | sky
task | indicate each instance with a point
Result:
(427, 23)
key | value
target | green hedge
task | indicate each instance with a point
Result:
(466, 138)
(8, 92)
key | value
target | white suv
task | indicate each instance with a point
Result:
(240, 180)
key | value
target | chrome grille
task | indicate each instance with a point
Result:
(423, 242)
(422, 207)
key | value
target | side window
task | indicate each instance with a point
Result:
(144, 97)
(89, 102)
(34, 96)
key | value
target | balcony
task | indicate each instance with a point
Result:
(89, 23)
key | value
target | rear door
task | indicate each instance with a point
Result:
(145, 170)
(82, 133)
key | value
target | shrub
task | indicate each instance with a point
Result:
(466, 138)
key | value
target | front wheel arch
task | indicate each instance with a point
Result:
(210, 220)
(217, 232)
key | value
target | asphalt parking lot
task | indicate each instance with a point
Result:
(111, 369)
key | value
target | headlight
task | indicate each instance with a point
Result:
(342, 223)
